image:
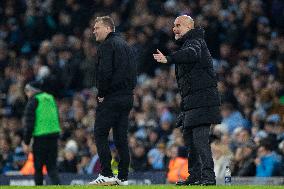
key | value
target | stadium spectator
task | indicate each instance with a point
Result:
(243, 161)
(267, 161)
(178, 164)
(94, 166)
(139, 160)
(231, 118)
(84, 163)
(70, 161)
(156, 157)
(222, 157)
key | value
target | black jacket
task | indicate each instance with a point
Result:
(196, 79)
(116, 67)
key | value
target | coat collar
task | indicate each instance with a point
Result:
(191, 34)
(111, 34)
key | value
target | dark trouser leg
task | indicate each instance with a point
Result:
(105, 119)
(38, 162)
(202, 146)
(51, 158)
(121, 143)
(194, 165)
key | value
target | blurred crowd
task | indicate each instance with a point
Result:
(52, 41)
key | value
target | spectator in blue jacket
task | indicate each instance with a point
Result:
(267, 160)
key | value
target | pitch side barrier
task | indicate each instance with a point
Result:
(137, 178)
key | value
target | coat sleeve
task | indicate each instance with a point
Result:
(105, 69)
(29, 119)
(189, 54)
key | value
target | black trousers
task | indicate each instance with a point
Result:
(45, 153)
(200, 161)
(113, 113)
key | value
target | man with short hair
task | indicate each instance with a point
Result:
(116, 79)
(41, 122)
(200, 99)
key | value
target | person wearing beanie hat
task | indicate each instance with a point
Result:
(34, 86)
(41, 122)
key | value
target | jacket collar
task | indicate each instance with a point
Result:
(191, 34)
(111, 34)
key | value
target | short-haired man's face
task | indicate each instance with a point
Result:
(181, 26)
(101, 31)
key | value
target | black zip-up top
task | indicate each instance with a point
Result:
(194, 71)
(116, 67)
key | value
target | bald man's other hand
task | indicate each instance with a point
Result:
(159, 57)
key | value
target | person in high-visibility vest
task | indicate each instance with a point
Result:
(178, 165)
(41, 122)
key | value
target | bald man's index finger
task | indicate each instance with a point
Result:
(159, 51)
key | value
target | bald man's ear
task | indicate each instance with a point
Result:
(191, 26)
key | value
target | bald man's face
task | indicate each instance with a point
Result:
(182, 25)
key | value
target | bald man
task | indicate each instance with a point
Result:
(200, 99)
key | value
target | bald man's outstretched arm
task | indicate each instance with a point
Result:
(189, 54)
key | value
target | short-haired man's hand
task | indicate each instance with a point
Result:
(159, 57)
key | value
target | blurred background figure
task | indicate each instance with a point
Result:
(243, 162)
(41, 122)
(70, 159)
(222, 157)
(267, 161)
(178, 164)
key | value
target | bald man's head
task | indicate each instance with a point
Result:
(182, 25)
